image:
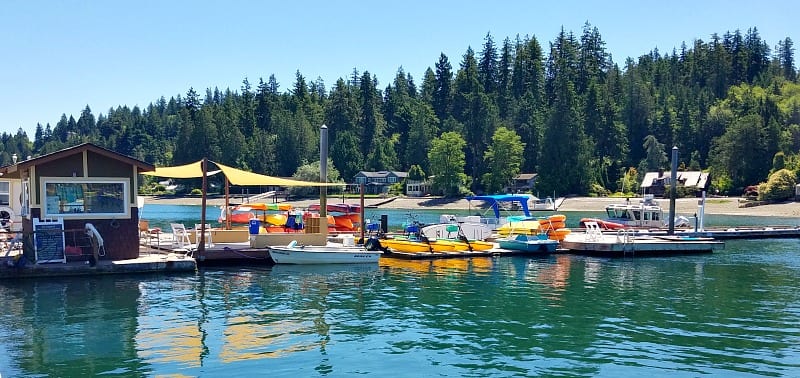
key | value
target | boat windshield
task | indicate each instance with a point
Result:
(618, 213)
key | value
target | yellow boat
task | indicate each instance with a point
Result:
(528, 227)
(405, 245)
(439, 245)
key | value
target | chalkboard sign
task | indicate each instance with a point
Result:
(48, 240)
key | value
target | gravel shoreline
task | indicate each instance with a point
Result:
(719, 206)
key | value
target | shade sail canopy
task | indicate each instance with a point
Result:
(240, 177)
(235, 176)
(190, 170)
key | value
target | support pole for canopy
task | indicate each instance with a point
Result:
(361, 211)
(323, 178)
(227, 204)
(673, 190)
(201, 244)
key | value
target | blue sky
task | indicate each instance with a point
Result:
(59, 56)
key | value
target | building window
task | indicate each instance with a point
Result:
(392, 179)
(82, 198)
(5, 193)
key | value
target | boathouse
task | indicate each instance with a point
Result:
(67, 189)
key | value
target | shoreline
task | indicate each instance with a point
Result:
(715, 206)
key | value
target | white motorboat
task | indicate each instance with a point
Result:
(316, 254)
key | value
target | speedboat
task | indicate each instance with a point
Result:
(310, 254)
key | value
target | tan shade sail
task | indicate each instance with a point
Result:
(190, 170)
(240, 177)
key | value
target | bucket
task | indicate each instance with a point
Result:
(255, 226)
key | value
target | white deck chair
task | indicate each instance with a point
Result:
(593, 231)
(208, 241)
(180, 237)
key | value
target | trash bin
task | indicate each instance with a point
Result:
(255, 226)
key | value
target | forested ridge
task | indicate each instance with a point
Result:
(584, 123)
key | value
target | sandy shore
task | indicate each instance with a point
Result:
(684, 206)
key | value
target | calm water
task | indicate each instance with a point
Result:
(734, 313)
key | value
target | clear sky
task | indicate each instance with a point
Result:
(59, 56)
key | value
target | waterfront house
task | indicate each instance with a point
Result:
(70, 188)
(655, 183)
(522, 183)
(378, 182)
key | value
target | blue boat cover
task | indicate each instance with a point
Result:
(495, 199)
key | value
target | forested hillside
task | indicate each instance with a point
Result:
(581, 120)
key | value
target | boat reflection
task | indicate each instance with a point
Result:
(440, 266)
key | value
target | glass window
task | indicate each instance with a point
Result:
(5, 193)
(79, 198)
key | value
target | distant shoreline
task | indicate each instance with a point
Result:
(717, 206)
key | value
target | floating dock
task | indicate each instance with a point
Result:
(151, 263)
(631, 244)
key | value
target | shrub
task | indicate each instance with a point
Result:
(779, 186)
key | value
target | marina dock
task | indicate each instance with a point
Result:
(629, 244)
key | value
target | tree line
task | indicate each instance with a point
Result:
(567, 111)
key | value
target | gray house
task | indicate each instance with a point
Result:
(378, 182)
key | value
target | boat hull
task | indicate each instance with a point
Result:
(409, 246)
(322, 255)
(526, 244)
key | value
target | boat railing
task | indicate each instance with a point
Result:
(625, 235)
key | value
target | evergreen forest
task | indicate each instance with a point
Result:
(563, 109)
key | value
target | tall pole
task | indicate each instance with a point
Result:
(201, 245)
(673, 190)
(323, 178)
(227, 204)
(361, 211)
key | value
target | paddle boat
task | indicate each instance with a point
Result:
(529, 243)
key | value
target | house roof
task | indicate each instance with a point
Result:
(382, 174)
(689, 178)
(526, 176)
(53, 156)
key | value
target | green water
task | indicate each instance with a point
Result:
(734, 313)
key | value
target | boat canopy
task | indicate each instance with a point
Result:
(495, 199)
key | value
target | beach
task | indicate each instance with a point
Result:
(716, 205)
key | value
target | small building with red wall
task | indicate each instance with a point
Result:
(79, 185)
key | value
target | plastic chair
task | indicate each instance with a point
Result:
(208, 241)
(180, 237)
(593, 231)
(147, 235)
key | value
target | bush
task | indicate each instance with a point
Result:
(598, 190)
(779, 186)
(196, 192)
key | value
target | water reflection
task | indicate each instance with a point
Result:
(732, 313)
